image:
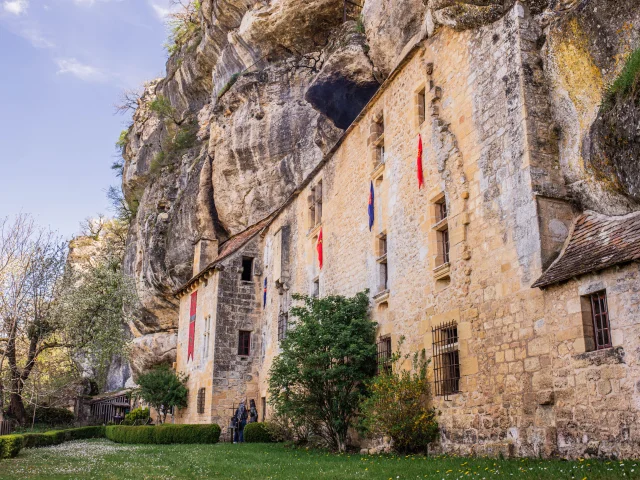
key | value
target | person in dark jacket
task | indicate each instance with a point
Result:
(253, 411)
(241, 417)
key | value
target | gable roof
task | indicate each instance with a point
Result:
(231, 246)
(595, 243)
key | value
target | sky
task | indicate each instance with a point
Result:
(63, 66)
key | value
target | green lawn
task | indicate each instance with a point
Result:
(102, 459)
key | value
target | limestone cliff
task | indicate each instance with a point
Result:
(259, 91)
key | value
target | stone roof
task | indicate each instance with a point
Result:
(231, 246)
(595, 242)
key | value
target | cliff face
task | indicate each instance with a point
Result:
(259, 92)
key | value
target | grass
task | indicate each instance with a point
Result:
(101, 459)
(627, 81)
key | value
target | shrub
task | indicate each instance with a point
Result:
(56, 437)
(10, 445)
(227, 86)
(397, 406)
(52, 416)
(627, 82)
(82, 433)
(327, 357)
(257, 433)
(140, 415)
(162, 106)
(164, 434)
(162, 387)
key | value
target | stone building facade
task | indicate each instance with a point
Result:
(479, 259)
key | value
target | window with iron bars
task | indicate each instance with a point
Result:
(383, 356)
(283, 325)
(244, 343)
(200, 400)
(446, 359)
(600, 319)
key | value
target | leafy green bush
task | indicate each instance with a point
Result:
(162, 387)
(140, 415)
(56, 437)
(627, 82)
(257, 433)
(10, 445)
(52, 416)
(398, 405)
(164, 434)
(162, 106)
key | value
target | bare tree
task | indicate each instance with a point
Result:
(129, 101)
(32, 262)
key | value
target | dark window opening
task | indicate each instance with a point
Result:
(600, 326)
(247, 269)
(383, 363)
(200, 400)
(244, 343)
(444, 241)
(422, 102)
(446, 359)
(316, 288)
(283, 325)
(441, 210)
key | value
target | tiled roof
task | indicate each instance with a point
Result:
(595, 242)
(231, 246)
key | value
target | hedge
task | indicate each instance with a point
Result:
(10, 445)
(257, 433)
(52, 416)
(164, 434)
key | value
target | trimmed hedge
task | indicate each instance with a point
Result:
(10, 445)
(257, 433)
(52, 416)
(164, 434)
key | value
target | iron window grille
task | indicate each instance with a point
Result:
(600, 318)
(244, 343)
(200, 400)
(446, 359)
(283, 325)
(383, 356)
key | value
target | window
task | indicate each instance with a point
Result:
(318, 201)
(316, 288)
(446, 359)
(421, 101)
(376, 138)
(311, 202)
(383, 355)
(442, 231)
(200, 400)
(206, 337)
(595, 316)
(383, 271)
(283, 325)
(244, 343)
(247, 269)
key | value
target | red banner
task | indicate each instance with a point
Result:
(319, 248)
(192, 325)
(419, 163)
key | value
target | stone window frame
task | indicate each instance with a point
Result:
(206, 337)
(314, 205)
(440, 215)
(384, 354)
(596, 321)
(420, 104)
(245, 276)
(382, 251)
(283, 325)
(315, 287)
(244, 343)
(201, 400)
(445, 341)
(376, 140)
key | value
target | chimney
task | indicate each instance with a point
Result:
(205, 252)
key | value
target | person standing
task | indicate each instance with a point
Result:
(241, 418)
(253, 411)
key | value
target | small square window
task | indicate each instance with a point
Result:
(244, 343)
(247, 269)
(316, 288)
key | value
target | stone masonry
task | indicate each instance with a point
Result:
(528, 384)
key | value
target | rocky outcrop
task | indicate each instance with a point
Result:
(259, 92)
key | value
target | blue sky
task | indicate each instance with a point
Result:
(63, 66)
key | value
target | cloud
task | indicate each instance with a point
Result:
(163, 8)
(88, 3)
(36, 38)
(16, 7)
(79, 70)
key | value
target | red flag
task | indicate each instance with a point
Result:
(319, 248)
(419, 163)
(192, 325)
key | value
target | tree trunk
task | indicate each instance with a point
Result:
(16, 408)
